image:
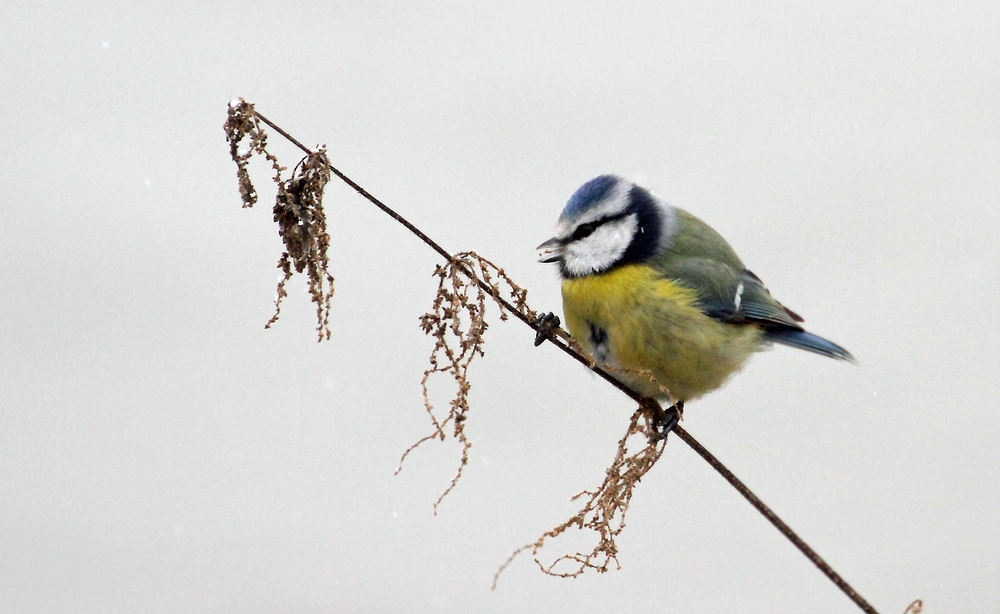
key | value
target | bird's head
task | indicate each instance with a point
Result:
(608, 222)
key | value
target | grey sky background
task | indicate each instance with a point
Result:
(161, 452)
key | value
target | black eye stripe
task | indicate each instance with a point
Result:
(585, 230)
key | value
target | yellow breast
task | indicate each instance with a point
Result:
(631, 318)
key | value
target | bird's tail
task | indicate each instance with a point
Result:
(807, 341)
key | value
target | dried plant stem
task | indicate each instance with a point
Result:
(627, 469)
(778, 523)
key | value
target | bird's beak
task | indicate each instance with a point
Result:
(551, 250)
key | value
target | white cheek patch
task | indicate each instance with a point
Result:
(602, 249)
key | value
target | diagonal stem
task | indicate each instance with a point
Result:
(686, 437)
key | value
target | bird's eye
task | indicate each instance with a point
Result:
(583, 231)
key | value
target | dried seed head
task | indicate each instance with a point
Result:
(241, 123)
(457, 322)
(605, 508)
(298, 210)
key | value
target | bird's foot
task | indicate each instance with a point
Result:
(546, 323)
(662, 421)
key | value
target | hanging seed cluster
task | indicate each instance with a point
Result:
(298, 210)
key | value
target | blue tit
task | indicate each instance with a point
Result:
(650, 289)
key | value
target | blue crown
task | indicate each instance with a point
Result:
(589, 193)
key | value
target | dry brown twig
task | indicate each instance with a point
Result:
(457, 322)
(464, 284)
(298, 211)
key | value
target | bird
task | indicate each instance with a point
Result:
(656, 294)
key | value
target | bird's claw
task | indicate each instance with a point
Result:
(546, 323)
(662, 421)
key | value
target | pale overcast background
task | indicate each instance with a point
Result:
(161, 452)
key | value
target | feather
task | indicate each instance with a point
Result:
(807, 341)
